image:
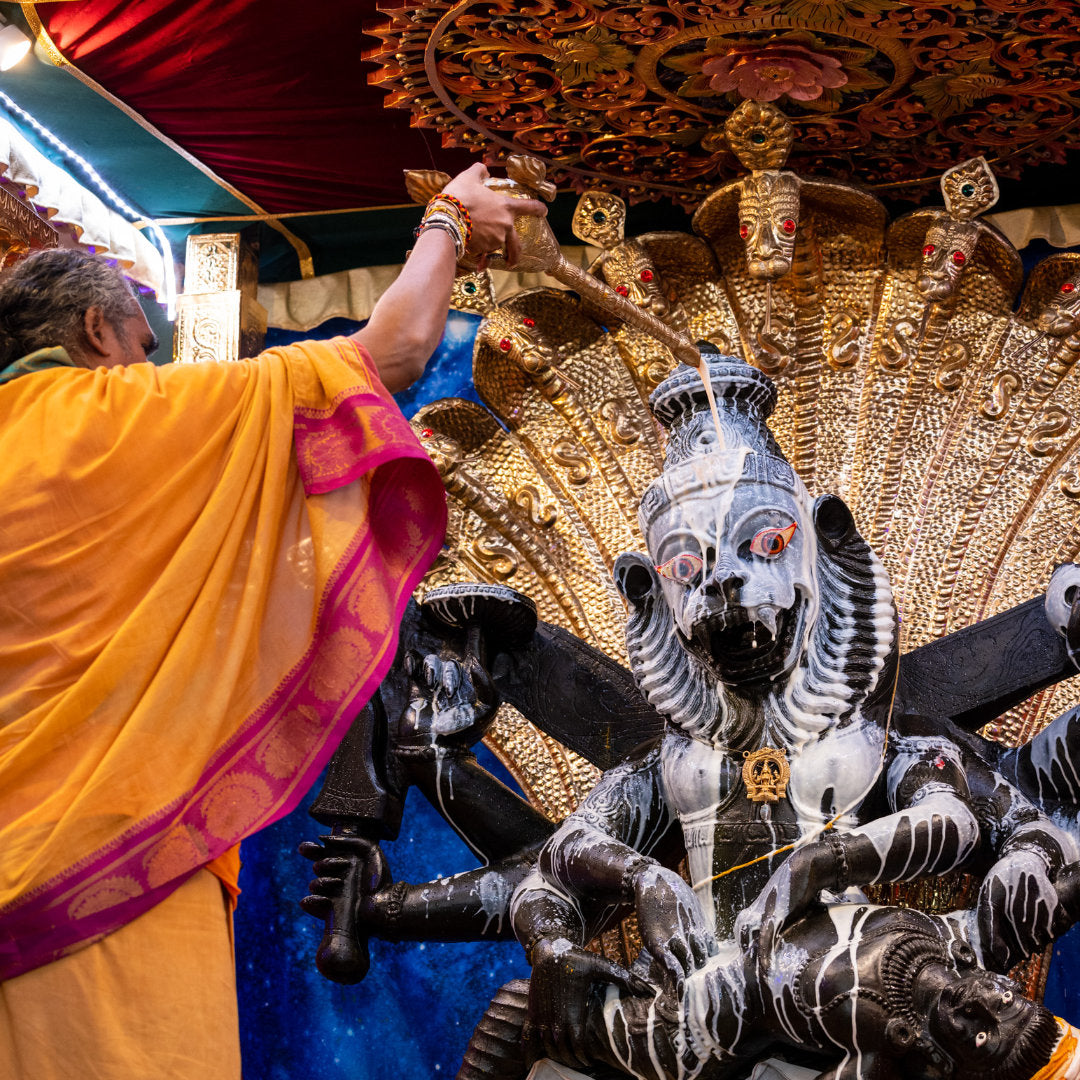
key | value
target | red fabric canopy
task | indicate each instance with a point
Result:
(270, 94)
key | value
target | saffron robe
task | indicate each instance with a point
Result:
(202, 572)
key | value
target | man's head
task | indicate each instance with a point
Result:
(990, 1030)
(74, 300)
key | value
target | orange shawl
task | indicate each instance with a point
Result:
(202, 572)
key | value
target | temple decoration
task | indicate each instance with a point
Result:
(22, 229)
(633, 98)
(822, 637)
(44, 206)
(218, 317)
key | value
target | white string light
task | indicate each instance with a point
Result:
(95, 178)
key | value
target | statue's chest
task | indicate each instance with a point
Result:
(707, 790)
(698, 779)
(721, 826)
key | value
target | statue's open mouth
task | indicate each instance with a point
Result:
(745, 644)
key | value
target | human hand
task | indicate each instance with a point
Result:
(493, 213)
(673, 928)
(563, 975)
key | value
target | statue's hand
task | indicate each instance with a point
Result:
(347, 867)
(793, 887)
(673, 928)
(563, 977)
(1017, 908)
(449, 699)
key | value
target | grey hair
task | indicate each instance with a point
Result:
(44, 297)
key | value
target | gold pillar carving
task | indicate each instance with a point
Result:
(217, 315)
(22, 229)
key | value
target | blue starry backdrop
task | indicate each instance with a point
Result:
(413, 1014)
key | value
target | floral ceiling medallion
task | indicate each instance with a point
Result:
(633, 96)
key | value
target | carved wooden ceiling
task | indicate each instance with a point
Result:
(632, 96)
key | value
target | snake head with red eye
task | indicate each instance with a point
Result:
(1061, 316)
(948, 247)
(737, 571)
(769, 223)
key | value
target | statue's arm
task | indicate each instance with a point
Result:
(553, 928)
(600, 848)
(1047, 769)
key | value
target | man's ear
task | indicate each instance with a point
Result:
(95, 326)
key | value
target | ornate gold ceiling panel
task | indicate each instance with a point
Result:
(633, 96)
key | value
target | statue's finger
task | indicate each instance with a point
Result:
(317, 906)
(311, 850)
(334, 866)
(326, 886)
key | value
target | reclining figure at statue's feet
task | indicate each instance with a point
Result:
(856, 992)
(761, 628)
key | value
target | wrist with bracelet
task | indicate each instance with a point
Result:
(447, 225)
(631, 871)
(449, 215)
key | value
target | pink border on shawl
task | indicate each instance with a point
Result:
(264, 770)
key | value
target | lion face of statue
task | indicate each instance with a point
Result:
(736, 567)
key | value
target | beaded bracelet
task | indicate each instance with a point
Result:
(458, 205)
(447, 204)
(450, 228)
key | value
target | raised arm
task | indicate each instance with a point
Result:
(407, 322)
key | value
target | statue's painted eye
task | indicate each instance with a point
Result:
(1006, 998)
(683, 568)
(959, 258)
(744, 231)
(623, 290)
(929, 249)
(770, 542)
(1068, 287)
(788, 225)
(981, 1038)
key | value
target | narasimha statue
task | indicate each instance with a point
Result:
(756, 731)
(791, 769)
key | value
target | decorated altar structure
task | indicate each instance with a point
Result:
(859, 213)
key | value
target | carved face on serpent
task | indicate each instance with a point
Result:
(630, 272)
(947, 249)
(769, 222)
(1061, 316)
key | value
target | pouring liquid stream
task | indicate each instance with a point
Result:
(703, 373)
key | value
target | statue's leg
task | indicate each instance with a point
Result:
(496, 1050)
